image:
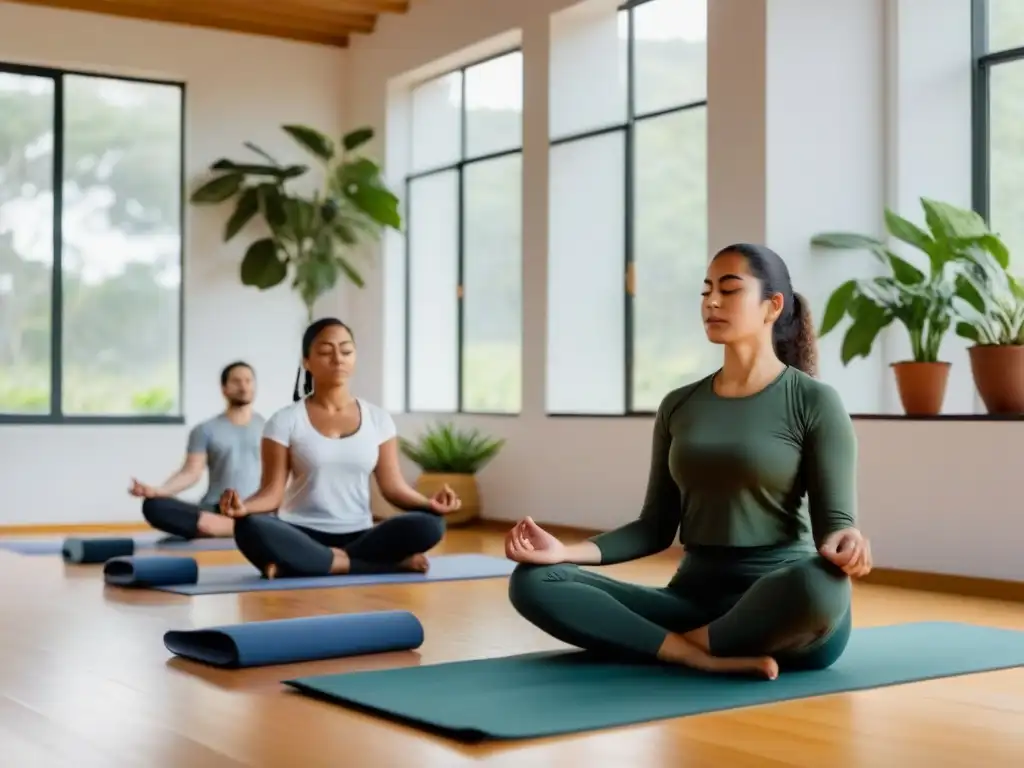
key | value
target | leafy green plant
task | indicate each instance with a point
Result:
(445, 448)
(990, 303)
(309, 236)
(921, 300)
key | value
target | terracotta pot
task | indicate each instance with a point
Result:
(465, 486)
(999, 376)
(922, 386)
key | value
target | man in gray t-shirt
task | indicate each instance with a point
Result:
(228, 447)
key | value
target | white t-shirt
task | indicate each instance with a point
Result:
(330, 477)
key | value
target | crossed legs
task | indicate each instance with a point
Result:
(280, 549)
(188, 521)
(797, 616)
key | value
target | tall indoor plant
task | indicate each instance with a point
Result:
(309, 236)
(990, 308)
(922, 300)
(448, 455)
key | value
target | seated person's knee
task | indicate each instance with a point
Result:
(421, 530)
(249, 526)
(820, 587)
(149, 508)
(528, 582)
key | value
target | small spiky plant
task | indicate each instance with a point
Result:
(445, 449)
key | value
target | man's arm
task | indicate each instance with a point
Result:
(189, 474)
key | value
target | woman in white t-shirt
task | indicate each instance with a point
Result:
(318, 455)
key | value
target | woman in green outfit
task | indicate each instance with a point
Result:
(756, 467)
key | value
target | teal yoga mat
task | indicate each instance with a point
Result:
(546, 694)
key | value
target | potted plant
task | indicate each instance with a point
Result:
(990, 306)
(308, 236)
(922, 300)
(447, 455)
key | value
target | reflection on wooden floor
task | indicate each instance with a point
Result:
(85, 681)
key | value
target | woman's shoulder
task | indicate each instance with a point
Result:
(378, 416)
(672, 401)
(288, 411)
(817, 400)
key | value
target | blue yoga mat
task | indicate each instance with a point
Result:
(287, 641)
(546, 694)
(150, 572)
(169, 574)
(91, 549)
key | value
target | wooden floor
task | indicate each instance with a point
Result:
(85, 681)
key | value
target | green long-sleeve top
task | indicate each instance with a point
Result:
(778, 467)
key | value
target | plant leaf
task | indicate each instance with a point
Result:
(312, 140)
(219, 189)
(261, 152)
(861, 335)
(248, 205)
(952, 222)
(377, 203)
(272, 202)
(904, 271)
(908, 232)
(350, 271)
(261, 268)
(837, 306)
(355, 139)
(250, 169)
(846, 241)
(967, 331)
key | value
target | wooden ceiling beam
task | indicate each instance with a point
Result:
(214, 16)
(359, 6)
(175, 15)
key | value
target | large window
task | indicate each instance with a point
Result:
(628, 205)
(999, 120)
(90, 247)
(464, 241)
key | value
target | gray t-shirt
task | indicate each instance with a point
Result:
(232, 455)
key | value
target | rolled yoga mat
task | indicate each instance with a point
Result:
(92, 546)
(545, 694)
(226, 579)
(150, 572)
(83, 551)
(286, 641)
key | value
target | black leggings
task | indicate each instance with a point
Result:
(300, 551)
(173, 516)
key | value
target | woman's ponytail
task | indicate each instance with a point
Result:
(796, 342)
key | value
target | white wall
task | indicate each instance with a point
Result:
(816, 120)
(239, 88)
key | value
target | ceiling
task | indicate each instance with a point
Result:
(328, 22)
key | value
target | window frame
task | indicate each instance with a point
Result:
(458, 167)
(56, 414)
(628, 129)
(983, 60)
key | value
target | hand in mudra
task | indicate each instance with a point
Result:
(231, 504)
(850, 550)
(141, 490)
(445, 501)
(527, 542)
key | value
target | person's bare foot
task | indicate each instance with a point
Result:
(341, 563)
(762, 666)
(214, 526)
(416, 564)
(676, 649)
(270, 572)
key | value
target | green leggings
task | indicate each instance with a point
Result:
(795, 609)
